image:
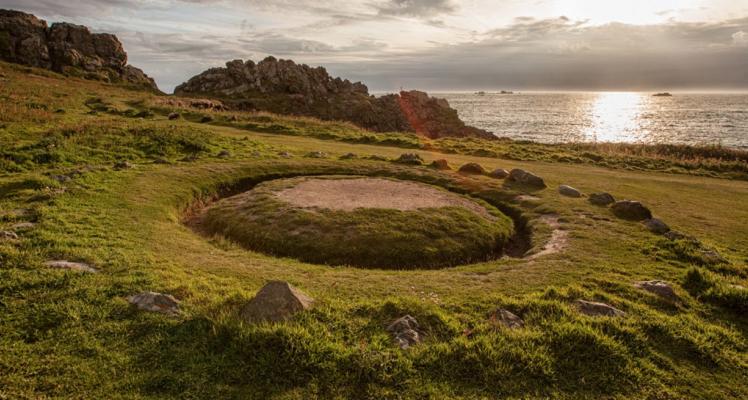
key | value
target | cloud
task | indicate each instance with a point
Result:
(72, 8)
(416, 8)
(559, 53)
(414, 43)
(740, 38)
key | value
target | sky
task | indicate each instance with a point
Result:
(435, 45)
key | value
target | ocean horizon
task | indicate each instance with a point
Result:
(698, 118)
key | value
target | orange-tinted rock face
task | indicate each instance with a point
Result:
(434, 118)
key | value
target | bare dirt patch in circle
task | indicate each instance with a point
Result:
(348, 194)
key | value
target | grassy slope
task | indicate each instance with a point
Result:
(68, 335)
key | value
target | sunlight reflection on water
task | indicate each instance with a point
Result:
(609, 117)
(616, 117)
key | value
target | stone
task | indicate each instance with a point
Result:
(472, 168)
(8, 235)
(505, 318)
(675, 235)
(598, 309)
(499, 173)
(440, 164)
(601, 199)
(409, 159)
(349, 156)
(656, 226)
(155, 302)
(277, 301)
(631, 210)
(73, 266)
(283, 86)
(122, 165)
(660, 288)
(316, 154)
(713, 257)
(173, 116)
(566, 190)
(61, 178)
(523, 177)
(22, 226)
(67, 48)
(24, 39)
(224, 154)
(404, 331)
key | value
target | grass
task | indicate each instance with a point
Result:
(384, 238)
(70, 335)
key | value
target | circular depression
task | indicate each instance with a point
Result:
(361, 221)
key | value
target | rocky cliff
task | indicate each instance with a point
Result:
(66, 48)
(284, 87)
(433, 117)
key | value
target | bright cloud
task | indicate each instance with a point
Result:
(434, 44)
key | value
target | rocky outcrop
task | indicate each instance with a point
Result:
(472, 168)
(441, 164)
(499, 173)
(155, 302)
(601, 199)
(568, 191)
(505, 318)
(8, 235)
(598, 309)
(523, 177)
(284, 87)
(660, 288)
(66, 48)
(277, 301)
(404, 331)
(434, 118)
(631, 210)
(656, 226)
(70, 265)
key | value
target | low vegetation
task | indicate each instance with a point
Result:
(112, 189)
(365, 237)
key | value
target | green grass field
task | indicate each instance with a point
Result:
(66, 334)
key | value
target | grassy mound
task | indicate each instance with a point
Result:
(431, 237)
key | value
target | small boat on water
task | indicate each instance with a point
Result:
(663, 94)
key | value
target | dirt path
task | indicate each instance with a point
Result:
(558, 240)
(351, 193)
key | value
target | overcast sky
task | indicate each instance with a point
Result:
(435, 44)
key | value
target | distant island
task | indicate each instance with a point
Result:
(663, 94)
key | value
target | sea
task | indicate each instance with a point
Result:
(683, 118)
